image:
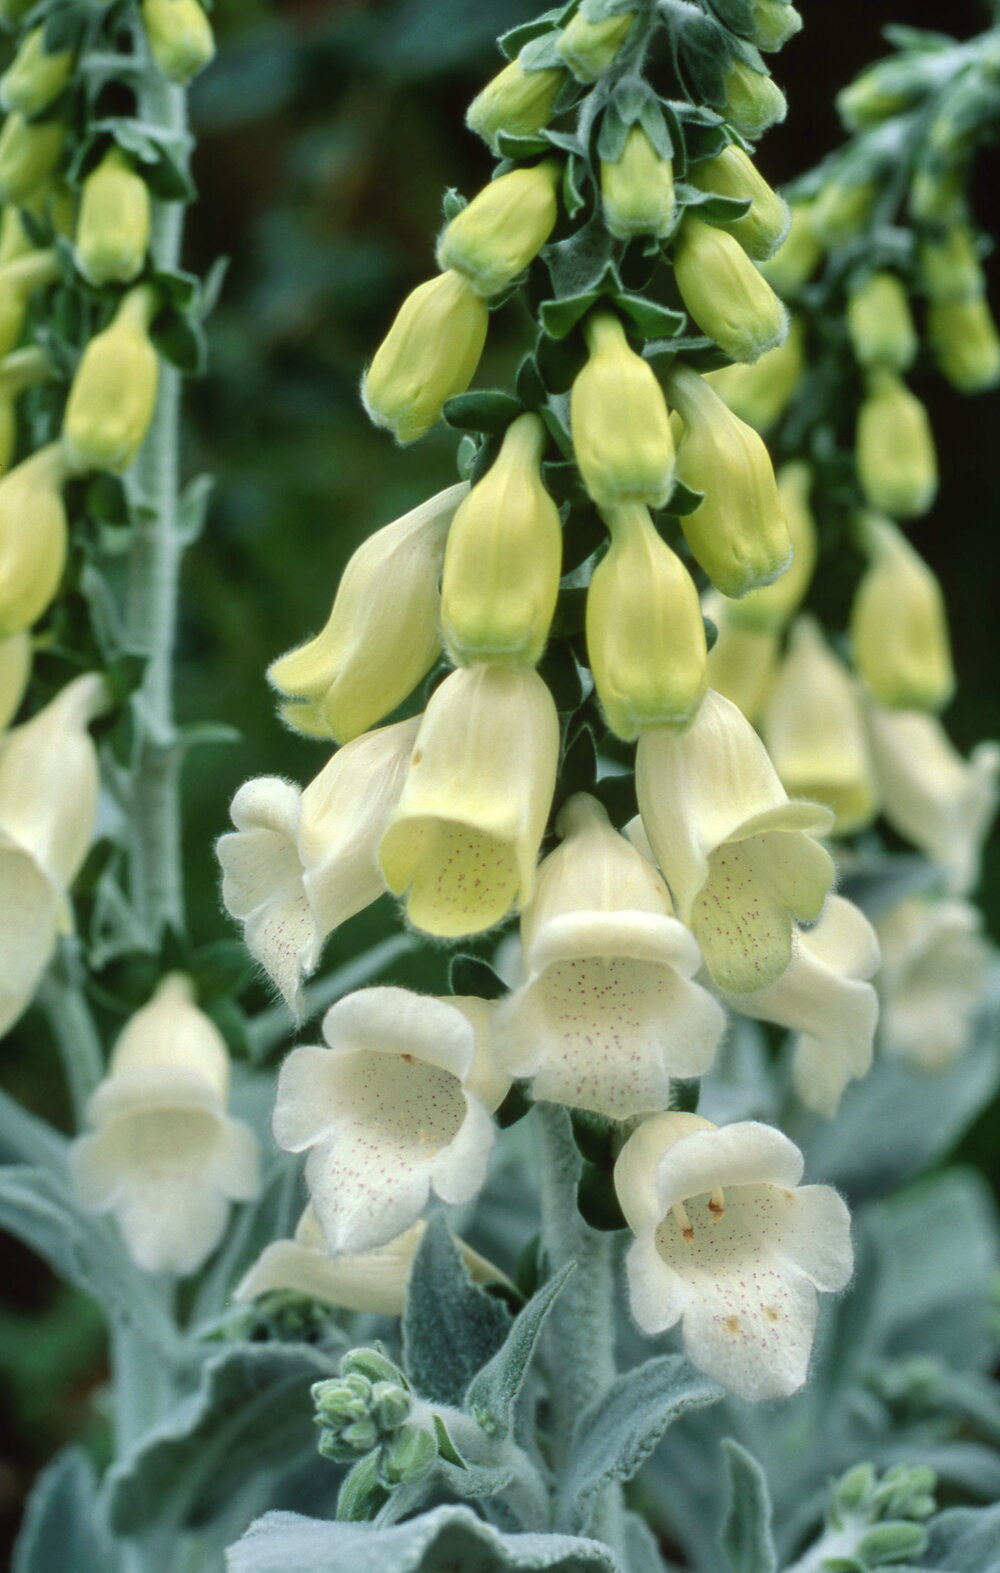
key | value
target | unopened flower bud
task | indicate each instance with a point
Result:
(897, 462)
(32, 537)
(899, 628)
(884, 90)
(879, 323)
(503, 559)
(515, 103)
(429, 354)
(588, 48)
(855, 1489)
(742, 662)
(842, 209)
(503, 228)
(408, 1455)
(894, 1542)
(774, 23)
(18, 281)
(949, 266)
(179, 35)
(797, 256)
(737, 533)
(637, 190)
(621, 429)
(645, 634)
(733, 173)
(51, 203)
(113, 394)
(29, 152)
(774, 604)
(36, 77)
(373, 1365)
(761, 393)
(112, 235)
(754, 101)
(964, 341)
(725, 294)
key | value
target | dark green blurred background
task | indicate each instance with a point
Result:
(328, 132)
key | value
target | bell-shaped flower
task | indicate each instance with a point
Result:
(824, 995)
(15, 670)
(112, 235)
(609, 1012)
(899, 624)
(637, 189)
(165, 1158)
(301, 862)
(645, 634)
(358, 1281)
(32, 536)
(113, 395)
(503, 228)
(935, 964)
(815, 732)
(49, 783)
(737, 533)
(731, 1246)
(429, 354)
(897, 460)
(773, 605)
(732, 173)
(740, 858)
(950, 269)
(774, 22)
(941, 802)
(503, 558)
(622, 440)
(381, 638)
(742, 662)
(725, 294)
(464, 838)
(397, 1104)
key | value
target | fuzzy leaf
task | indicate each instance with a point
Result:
(451, 1326)
(737, 14)
(966, 1540)
(494, 1391)
(488, 411)
(745, 1536)
(62, 1513)
(648, 318)
(702, 55)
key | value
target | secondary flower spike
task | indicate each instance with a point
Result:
(899, 624)
(731, 1246)
(300, 863)
(165, 1158)
(429, 354)
(741, 860)
(397, 1104)
(609, 1012)
(463, 841)
(381, 638)
(897, 461)
(622, 441)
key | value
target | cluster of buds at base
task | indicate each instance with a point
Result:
(875, 1521)
(370, 1413)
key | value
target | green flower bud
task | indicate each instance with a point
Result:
(18, 281)
(341, 1398)
(754, 101)
(32, 537)
(36, 77)
(775, 604)
(390, 1405)
(725, 294)
(372, 1365)
(503, 558)
(897, 463)
(774, 23)
(503, 228)
(408, 1456)
(733, 173)
(899, 625)
(895, 1542)
(29, 152)
(429, 354)
(621, 430)
(112, 235)
(963, 338)
(842, 209)
(645, 634)
(637, 191)
(760, 394)
(516, 103)
(796, 258)
(949, 266)
(737, 533)
(360, 1435)
(879, 323)
(113, 394)
(179, 35)
(588, 48)
(855, 1489)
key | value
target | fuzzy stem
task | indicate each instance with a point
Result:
(64, 1002)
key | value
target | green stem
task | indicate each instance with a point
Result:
(64, 1002)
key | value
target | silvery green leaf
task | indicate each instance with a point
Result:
(451, 1326)
(617, 1434)
(745, 1535)
(965, 1540)
(494, 1391)
(447, 1538)
(192, 508)
(61, 1514)
(737, 14)
(642, 1551)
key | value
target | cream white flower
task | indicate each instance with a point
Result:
(301, 862)
(824, 996)
(463, 841)
(396, 1105)
(739, 857)
(49, 784)
(609, 1011)
(941, 802)
(935, 961)
(729, 1245)
(165, 1158)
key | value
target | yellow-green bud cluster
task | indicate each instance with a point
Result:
(637, 189)
(725, 294)
(621, 428)
(503, 228)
